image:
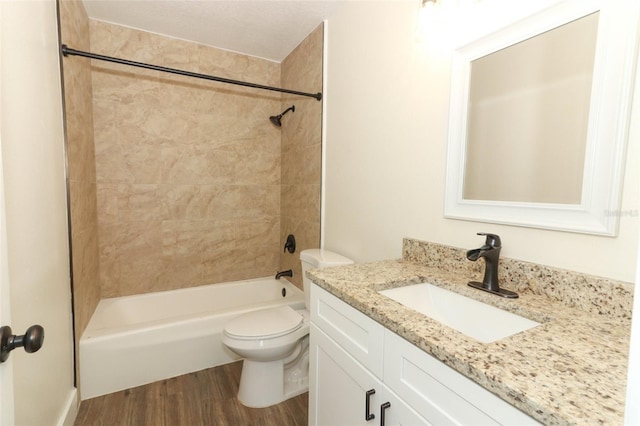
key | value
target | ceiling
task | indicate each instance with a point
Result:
(268, 29)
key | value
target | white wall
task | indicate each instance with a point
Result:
(36, 213)
(387, 100)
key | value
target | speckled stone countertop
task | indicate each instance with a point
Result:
(571, 369)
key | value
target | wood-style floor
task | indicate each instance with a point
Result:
(205, 397)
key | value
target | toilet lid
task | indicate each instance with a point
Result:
(271, 322)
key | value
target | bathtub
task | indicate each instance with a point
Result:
(135, 340)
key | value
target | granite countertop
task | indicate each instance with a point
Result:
(571, 369)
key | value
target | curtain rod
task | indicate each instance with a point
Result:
(68, 51)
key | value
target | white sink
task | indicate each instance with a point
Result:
(478, 320)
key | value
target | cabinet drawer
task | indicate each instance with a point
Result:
(419, 379)
(360, 336)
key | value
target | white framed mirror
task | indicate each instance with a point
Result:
(539, 117)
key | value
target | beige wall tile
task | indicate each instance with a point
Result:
(301, 152)
(81, 173)
(303, 165)
(188, 171)
(82, 204)
(184, 202)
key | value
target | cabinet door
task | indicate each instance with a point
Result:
(338, 385)
(399, 413)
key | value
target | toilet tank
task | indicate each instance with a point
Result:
(315, 259)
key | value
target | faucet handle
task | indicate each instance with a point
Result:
(492, 240)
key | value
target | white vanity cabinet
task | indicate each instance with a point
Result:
(351, 354)
(345, 388)
(343, 392)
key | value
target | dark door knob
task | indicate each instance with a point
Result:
(31, 340)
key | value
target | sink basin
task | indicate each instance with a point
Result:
(475, 319)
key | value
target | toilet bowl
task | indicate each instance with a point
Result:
(274, 343)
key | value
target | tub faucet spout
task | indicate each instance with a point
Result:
(490, 251)
(287, 273)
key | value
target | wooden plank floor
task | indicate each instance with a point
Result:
(205, 397)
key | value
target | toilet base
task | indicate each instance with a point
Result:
(263, 384)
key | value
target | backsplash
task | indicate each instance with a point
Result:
(586, 292)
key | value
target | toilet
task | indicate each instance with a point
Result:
(274, 343)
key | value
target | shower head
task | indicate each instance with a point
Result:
(276, 119)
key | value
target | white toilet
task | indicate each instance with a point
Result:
(275, 343)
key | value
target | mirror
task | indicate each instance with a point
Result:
(529, 108)
(539, 117)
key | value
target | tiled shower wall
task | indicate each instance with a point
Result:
(187, 171)
(301, 152)
(81, 166)
(193, 185)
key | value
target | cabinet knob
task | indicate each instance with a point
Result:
(383, 408)
(368, 415)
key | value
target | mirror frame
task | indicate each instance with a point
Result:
(607, 131)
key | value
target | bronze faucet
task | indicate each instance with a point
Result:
(490, 251)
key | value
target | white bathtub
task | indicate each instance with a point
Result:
(135, 340)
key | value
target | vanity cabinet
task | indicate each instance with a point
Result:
(351, 354)
(346, 393)
(346, 369)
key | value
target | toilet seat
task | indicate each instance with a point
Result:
(264, 324)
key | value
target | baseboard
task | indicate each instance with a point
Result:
(70, 412)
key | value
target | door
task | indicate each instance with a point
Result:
(37, 388)
(6, 372)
